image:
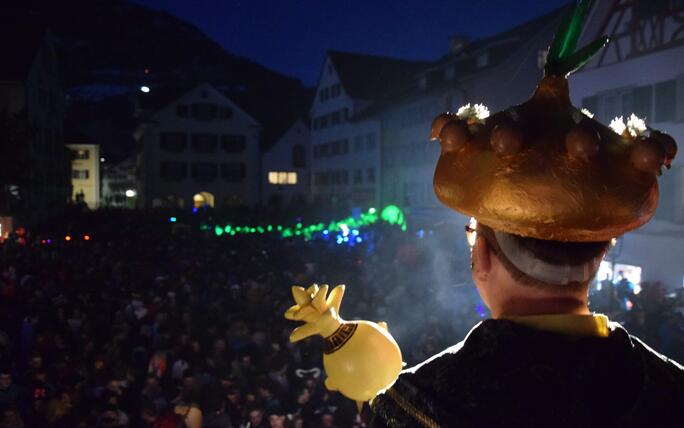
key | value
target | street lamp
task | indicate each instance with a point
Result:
(130, 193)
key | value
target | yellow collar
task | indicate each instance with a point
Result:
(578, 325)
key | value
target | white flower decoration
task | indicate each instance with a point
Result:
(587, 113)
(636, 125)
(618, 125)
(478, 112)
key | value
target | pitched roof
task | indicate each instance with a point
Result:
(368, 76)
(499, 47)
(502, 45)
(20, 40)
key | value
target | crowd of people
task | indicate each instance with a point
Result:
(148, 324)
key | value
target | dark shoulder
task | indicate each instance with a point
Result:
(660, 371)
(413, 400)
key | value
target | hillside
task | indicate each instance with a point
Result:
(108, 48)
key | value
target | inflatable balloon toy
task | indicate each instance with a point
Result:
(361, 358)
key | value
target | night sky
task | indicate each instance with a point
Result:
(291, 36)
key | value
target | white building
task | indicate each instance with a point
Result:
(498, 71)
(345, 155)
(197, 148)
(85, 174)
(119, 186)
(285, 168)
(642, 71)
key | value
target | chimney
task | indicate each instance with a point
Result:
(457, 43)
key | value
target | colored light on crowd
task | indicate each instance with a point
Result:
(86, 237)
(391, 214)
(67, 238)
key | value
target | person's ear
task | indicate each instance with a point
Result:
(482, 263)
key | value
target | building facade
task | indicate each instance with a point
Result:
(119, 184)
(497, 71)
(285, 178)
(641, 71)
(345, 144)
(34, 163)
(85, 174)
(197, 149)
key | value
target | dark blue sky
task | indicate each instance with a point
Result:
(291, 36)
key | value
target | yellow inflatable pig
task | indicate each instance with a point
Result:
(361, 358)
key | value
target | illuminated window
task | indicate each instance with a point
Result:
(80, 154)
(80, 174)
(282, 177)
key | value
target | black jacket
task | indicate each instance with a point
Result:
(507, 375)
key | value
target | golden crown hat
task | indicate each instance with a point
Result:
(545, 169)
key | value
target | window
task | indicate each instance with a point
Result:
(422, 82)
(233, 143)
(225, 112)
(335, 118)
(324, 121)
(204, 143)
(667, 187)
(665, 101)
(204, 111)
(358, 143)
(173, 171)
(204, 172)
(336, 90)
(80, 154)
(450, 72)
(336, 148)
(340, 177)
(174, 142)
(370, 142)
(323, 95)
(482, 60)
(541, 58)
(182, 110)
(370, 175)
(358, 176)
(321, 178)
(642, 101)
(233, 171)
(80, 174)
(321, 150)
(299, 156)
(282, 177)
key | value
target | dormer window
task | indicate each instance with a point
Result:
(422, 81)
(450, 72)
(482, 60)
(541, 58)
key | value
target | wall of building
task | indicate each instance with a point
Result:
(280, 163)
(155, 190)
(119, 184)
(85, 174)
(409, 159)
(345, 156)
(652, 85)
